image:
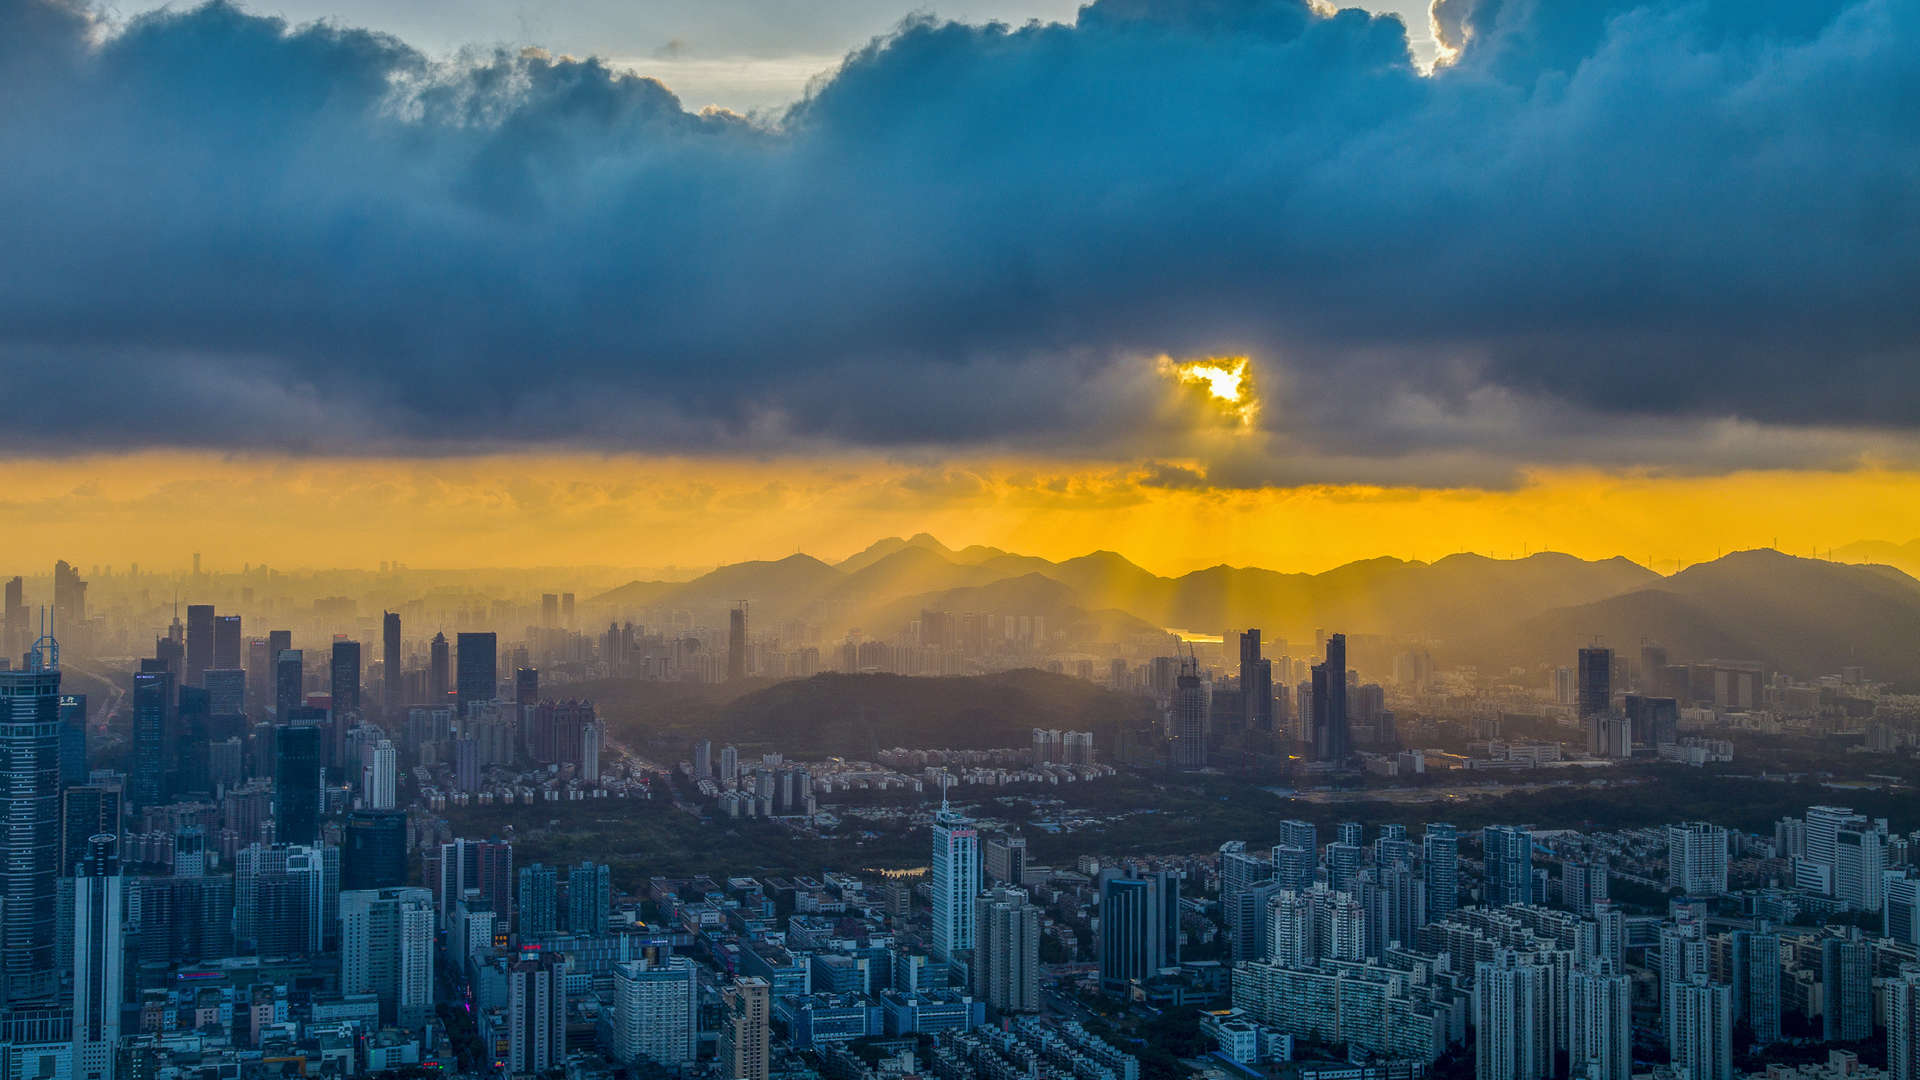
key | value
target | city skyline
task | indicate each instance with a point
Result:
(1108, 540)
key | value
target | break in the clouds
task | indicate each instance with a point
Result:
(1667, 232)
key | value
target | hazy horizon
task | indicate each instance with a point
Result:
(1866, 551)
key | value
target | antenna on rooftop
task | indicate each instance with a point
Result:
(45, 655)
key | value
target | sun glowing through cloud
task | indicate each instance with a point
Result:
(1228, 381)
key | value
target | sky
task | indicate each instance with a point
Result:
(750, 56)
(1251, 281)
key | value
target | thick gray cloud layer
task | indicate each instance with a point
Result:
(1654, 217)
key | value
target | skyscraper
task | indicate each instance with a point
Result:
(286, 898)
(386, 949)
(278, 641)
(199, 642)
(289, 678)
(73, 739)
(539, 901)
(744, 1029)
(226, 696)
(29, 825)
(1509, 863)
(260, 675)
(1401, 897)
(16, 629)
(86, 810)
(1653, 721)
(1600, 1035)
(1900, 908)
(1846, 978)
(438, 681)
(345, 682)
(536, 1013)
(187, 763)
(526, 686)
(374, 854)
(1256, 683)
(296, 783)
(478, 678)
(1393, 845)
(380, 776)
(1513, 1018)
(1331, 740)
(1594, 685)
(486, 865)
(1343, 866)
(169, 653)
(1683, 954)
(1291, 938)
(1441, 844)
(69, 597)
(1139, 926)
(1903, 1024)
(1583, 884)
(1756, 982)
(392, 679)
(1240, 874)
(1697, 858)
(153, 732)
(1703, 1030)
(98, 959)
(589, 898)
(656, 1011)
(1187, 718)
(737, 643)
(956, 880)
(1006, 962)
(1296, 854)
(226, 641)
(1859, 867)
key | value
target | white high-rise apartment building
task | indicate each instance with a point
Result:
(1859, 868)
(1903, 1024)
(1291, 941)
(1340, 926)
(1006, 959)
(1814, 870)
(1240, 873)
(656, 1012)
(1697, 858)
(1600, 1023)
(386, 949)
(1512, 1019)
(380, 777)
(1683, 955)
(1703, 1034)
(1900, 907)
(956, 881)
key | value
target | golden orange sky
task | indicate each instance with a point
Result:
(158, 508)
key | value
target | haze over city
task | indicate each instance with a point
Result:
(1007, 540)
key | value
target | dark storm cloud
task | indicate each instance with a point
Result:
(223, 232)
